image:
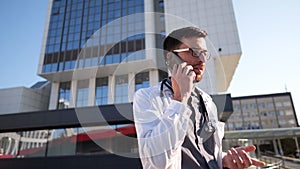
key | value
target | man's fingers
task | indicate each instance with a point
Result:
(188, 69)
(183, 69)
(230, 160)
(257, 162)
(178, 68)
(237, 159)
(181, 66)
(174, 70)
(246, 158)
(251, 148)
(248, 148)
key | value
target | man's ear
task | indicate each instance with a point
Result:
(168, 55)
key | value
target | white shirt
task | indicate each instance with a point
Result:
(161, 125)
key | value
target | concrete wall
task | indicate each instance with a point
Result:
(22, 99)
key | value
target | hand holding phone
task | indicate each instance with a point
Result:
(182, 78)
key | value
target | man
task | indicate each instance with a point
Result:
(177, 124)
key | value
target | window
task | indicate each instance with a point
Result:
(264, 113)
(280, 113)
(101, 91)
(261, 105)
(292, 123)
(163, 34)
(245, 106)
(71, 26)
(24, 143)
(142, 80)
(253, 106)
(236, 107)
(121, 89)
(272, 113)
(286, 104)
(263, 124)
(69, 141)
(230, 126)
(270, 105)
(55, 147)
(254, 114)
(132, 56)
(255, 125)
(282, 122)
(162, 75)
(82, 93)
(278, 104)
(108, 59)
(161, 4)
(289, 112)
(238, 126)
(64, 95)
(246, 114)
(116, 58)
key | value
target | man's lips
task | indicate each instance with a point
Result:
(198, 69)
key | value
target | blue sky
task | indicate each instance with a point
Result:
(21, 31)
(270, 38)
(269, 32)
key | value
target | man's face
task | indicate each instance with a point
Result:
(197, 63)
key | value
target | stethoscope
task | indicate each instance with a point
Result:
(208, 125)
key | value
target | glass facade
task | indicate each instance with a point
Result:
(69, 141)
(64, 95)
(162, 75)
(101, 91)
(57, 144)
(142, 80)
(121, 89)
(82, 93)
(74, 25)
(262, 113)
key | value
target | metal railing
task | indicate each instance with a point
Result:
(272, 162)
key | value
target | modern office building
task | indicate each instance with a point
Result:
(267, 111)
(95, 55)
(268, 120)
(98, 52)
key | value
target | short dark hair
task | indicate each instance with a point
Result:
(173, 40)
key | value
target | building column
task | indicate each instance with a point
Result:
(297, 145)
(131, 86)
(92, 91)
(53, 96)
(15, 150)
(280, 147)
(250, 142)
(150, 30)
(153, 77)
(258, 149)
(111, 89)
(73, 94)
(275, 147)
(9, 140)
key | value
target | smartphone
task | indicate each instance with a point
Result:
(174, 59)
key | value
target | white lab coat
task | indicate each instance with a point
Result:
(161, 125)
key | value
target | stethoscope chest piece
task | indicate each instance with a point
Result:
(209, 127)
